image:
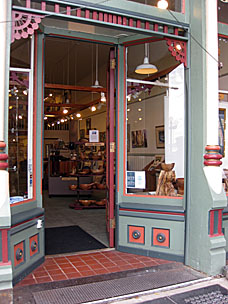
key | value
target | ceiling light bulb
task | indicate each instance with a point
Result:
(162, 4)
(128, 110)
(53, 124)
(72, 117)
(78, 115)
(103, 98)
(58, 122)
(25, 92)
(50, 95)
(93, 108)
(139, 109)
(65, 119)
(129, 97)
(65, 111)
(140, 99)
(20, 116)
(45, 118)
(62, 120)
(140, 118)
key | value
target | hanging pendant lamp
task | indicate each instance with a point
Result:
(146, 67)
(96, 84)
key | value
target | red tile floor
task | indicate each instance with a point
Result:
(58, 268)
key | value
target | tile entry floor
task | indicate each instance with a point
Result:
(84, 264)
(59, 268)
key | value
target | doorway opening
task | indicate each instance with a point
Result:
(76, 135)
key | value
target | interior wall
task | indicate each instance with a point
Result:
(98, 121)
(152, 115)
(51, 136)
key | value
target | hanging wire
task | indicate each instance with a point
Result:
(103, 1)
(193, 38)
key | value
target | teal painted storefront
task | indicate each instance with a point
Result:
(183, 223)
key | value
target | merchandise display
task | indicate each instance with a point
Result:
(79, 171)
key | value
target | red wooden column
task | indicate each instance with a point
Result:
(110, 146)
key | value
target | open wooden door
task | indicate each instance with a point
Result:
(110, 148)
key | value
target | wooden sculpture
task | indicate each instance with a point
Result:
(166, 179)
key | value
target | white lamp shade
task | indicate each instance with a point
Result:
(146, 67)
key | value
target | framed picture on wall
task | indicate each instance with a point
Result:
(128, 137)
(102, 136)
(160, 137)
(82, 133)
(88, 125)
(139, 139)
(222, 127)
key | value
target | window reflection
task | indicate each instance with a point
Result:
(18, 133)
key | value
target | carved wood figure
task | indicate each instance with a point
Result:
(166, 179)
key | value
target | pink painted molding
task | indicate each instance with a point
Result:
(24, 24)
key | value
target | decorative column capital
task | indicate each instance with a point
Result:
(212, 156)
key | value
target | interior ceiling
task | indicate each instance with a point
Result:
(73, 62)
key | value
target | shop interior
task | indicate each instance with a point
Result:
(223, 106)
(74, 128)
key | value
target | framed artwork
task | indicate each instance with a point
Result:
(139, 139)
(160, 137)
(82, 133)
(128, 137)
(102, 136)
(88, 125)
(222, 128)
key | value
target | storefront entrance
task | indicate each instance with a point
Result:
(79, 141)
(86, 104)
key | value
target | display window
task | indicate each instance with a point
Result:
(20, 128)
(223, 106)
(155, 121)
(173, 5)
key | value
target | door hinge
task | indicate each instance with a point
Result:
(113, 64)
(112, 223)
(112, 146)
